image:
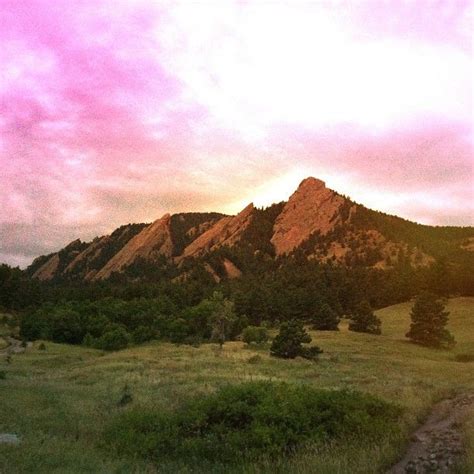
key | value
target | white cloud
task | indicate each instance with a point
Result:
(255, 66)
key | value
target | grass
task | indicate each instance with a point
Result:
(3, 343)
(468, 466)
(60, 400)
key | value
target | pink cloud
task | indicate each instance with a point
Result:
(112, 112)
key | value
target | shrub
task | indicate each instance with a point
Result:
(194, 341)
(42, 347)
(255, 334)
(114, 339)
(143, 334)
(428, 322)
(3, 375)
(310, 353)
(126, 396)
(464, 357)
(250, 420)
(89, 341)
(288, 342)
(363, 319)
(255, 359)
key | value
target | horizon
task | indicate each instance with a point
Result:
(117, 112)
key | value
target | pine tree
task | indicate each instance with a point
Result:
(428, 322)
(363, 319)
(326, 319)
(288, 342)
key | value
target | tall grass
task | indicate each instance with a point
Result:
(59, 401)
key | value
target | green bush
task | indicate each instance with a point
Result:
(143, 334)
(3, 375)
(255, 334)
(114, 339)
(310, 353)
(251, 420)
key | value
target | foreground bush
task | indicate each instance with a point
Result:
(250, 420)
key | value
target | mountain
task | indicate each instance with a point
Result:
(82, 259)
(316, 223)
(312, 208)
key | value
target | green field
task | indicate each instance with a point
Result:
(60, 400)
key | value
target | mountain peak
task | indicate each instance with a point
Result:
(311, 208)
(311, 183)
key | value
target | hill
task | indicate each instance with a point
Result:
(59, 400)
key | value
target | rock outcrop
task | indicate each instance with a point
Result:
(226, 231)
(231, 270)
(90, 253)
(48, 269)
(152, 241)
(312, 207)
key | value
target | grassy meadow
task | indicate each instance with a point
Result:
(59, 400)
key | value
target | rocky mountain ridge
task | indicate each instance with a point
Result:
(315, 221)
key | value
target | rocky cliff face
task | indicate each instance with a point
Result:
(82, 260)
(227, 231)
(57, 262)
(152, 241)
(312, 208)
(99, 251)
(48, 269)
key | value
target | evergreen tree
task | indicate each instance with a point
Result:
(288, 342)
(428, 322)
(363, 319)
(223, 318)
(326, 319)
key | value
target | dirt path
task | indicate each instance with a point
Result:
(437, 445)
(14, 346)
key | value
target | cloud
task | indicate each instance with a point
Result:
(115, 112)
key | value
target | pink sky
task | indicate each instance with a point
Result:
(117, 111)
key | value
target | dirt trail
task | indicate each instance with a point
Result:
(437, 445)
(14, 346)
